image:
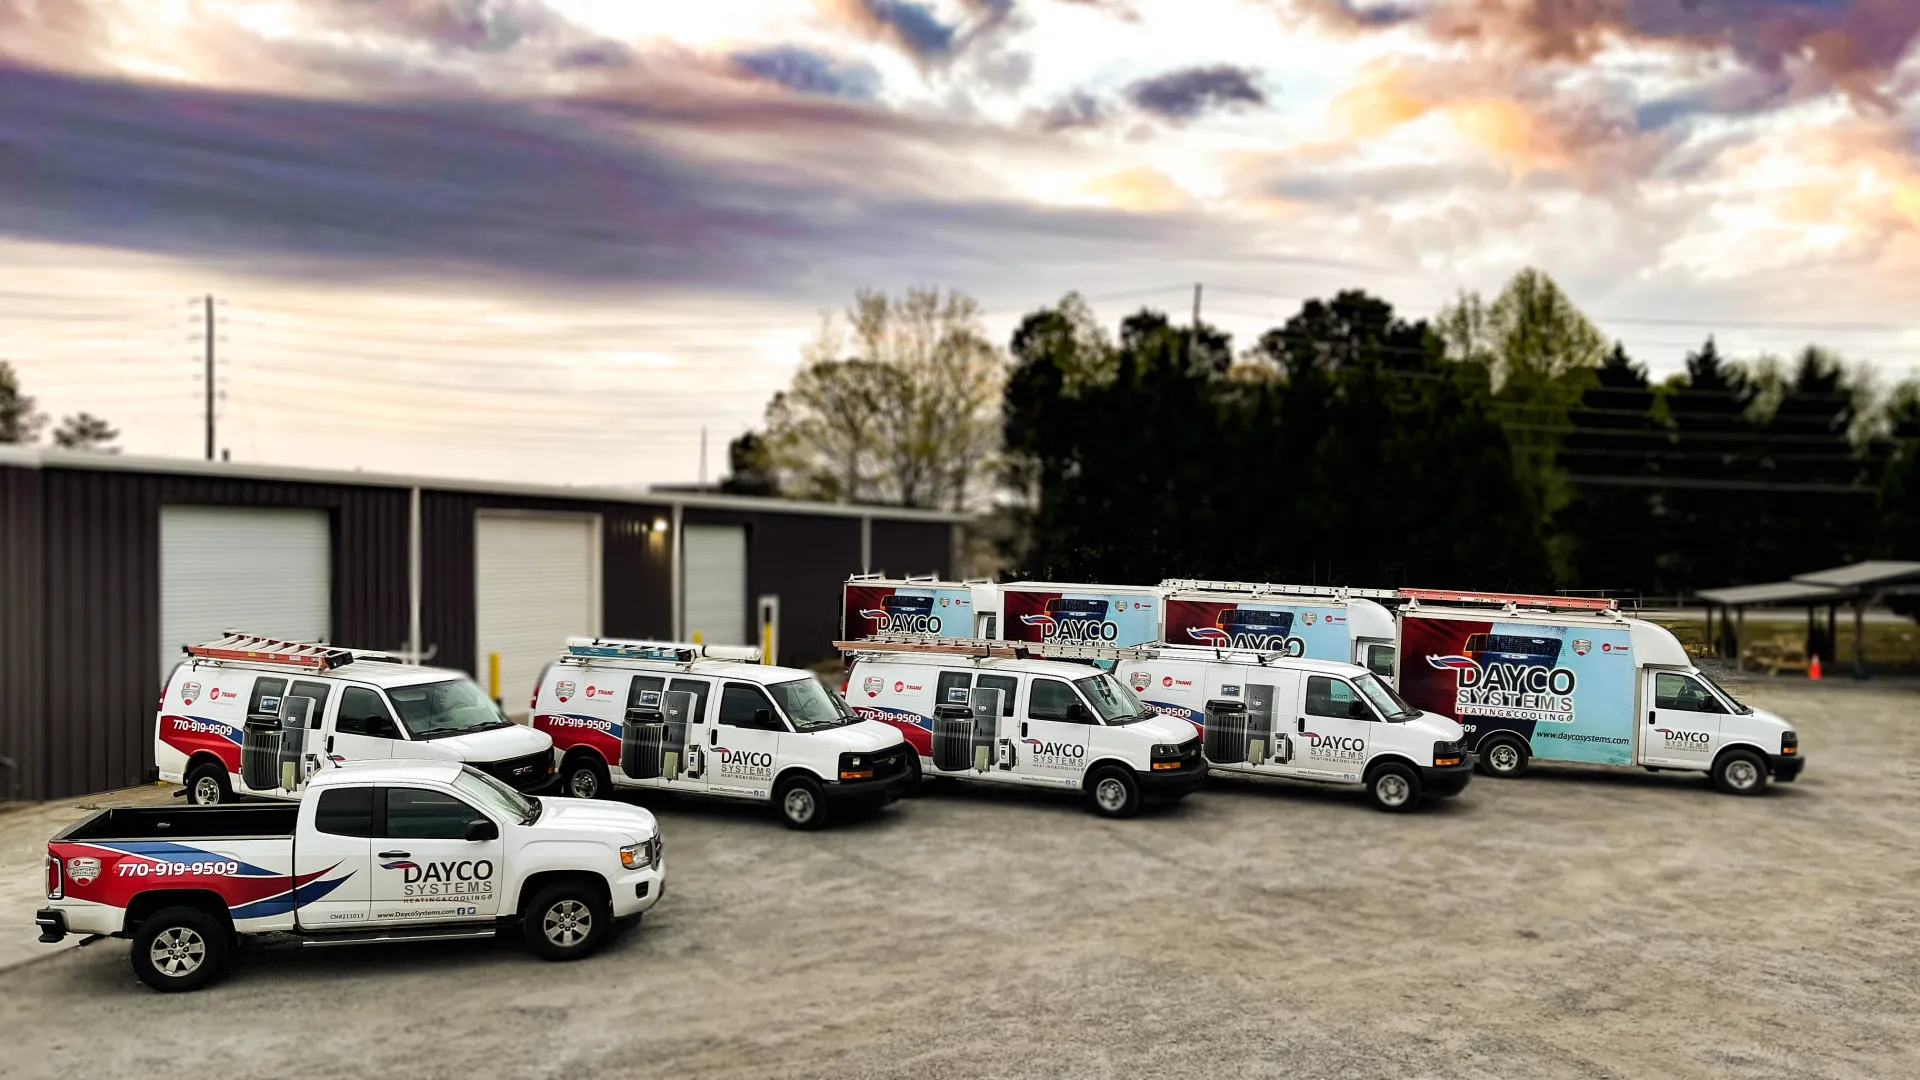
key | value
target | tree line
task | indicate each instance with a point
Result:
(1503, 444)
(21, 421)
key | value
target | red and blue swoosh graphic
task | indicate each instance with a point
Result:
(205, 735)
(250, 891)
(1453, 663)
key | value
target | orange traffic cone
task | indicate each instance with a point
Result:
(1813, 668)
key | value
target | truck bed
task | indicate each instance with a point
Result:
(263, 821)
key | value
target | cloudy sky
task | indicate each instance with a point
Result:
(552, 239)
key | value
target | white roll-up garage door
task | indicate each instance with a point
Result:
(245, 569)
(536, 584)
(715, 562)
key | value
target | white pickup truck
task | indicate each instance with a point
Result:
(379, 851)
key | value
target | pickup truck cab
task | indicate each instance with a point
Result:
(254, 716)
(1265, 714)
(1000, 712)
(376, 852)
(712, 721)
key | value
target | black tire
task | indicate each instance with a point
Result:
(566, 921)
(1394, 788)
(178, 949)
(208, 779)
(1740, 772)
(1504, 756)
(585, 777)
(1112, 792)
(800, 803)
(914, 779)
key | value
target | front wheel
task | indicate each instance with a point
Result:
(1394, 788)
(179, 949)
(585, 778)
(1503, 756)
(1740, 772)
(801, 804)
(566, 921)
(1112, 792)
(913, 774)
(207, 785)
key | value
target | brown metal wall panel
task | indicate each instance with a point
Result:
(803, 560)
(912, 547)
(22, 655)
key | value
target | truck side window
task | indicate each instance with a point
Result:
(1380, 660)
(645, 693)
(1682, 694)
(364, 712)
(1333, 698)
(1006, 684)
(316, 692)
(1051, 699)
(345, 812)
(419, 814)
(952, 688)
(700, 689)
(265, 699)
(745, 706)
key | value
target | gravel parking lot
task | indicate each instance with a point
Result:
(1578, 923)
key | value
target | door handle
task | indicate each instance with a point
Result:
(1650, 716)
(713, 736)
(1301, 727)
(396, 854)
(1023, 729)
(329, 744)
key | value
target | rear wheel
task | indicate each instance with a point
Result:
(179, 949)
(1394, 788)
(207, 785)
(566, 921)
(1113, 792)
(585, 778)
(801, 803)
(1740, 772)
(1504, 756)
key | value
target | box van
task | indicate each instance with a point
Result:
(1001, 713)
(1047, 612)
(712, 720)
(1316, 622)
(1266, 714)
(1555, 678)
(249, 715)
(872, 604)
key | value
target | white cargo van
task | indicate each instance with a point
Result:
(1555, 678)
(1266, 714)
(712, 720)
(1312, 621)
(1004, 713)
(249, 715)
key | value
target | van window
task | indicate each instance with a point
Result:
(741, 704)
(419, 814)
(645, 693)
(701, 689)
(363, 712)
(345, 812)
(1051, 699)
(1380, 660)
(1682, 694)
(265, 699)
(1333, 698)
(317, 693)
(1006, 684)
(951, 689)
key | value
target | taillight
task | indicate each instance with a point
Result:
(56, 881)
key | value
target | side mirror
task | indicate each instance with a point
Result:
(763, 719)
(1357, 710)
(381, 727)
(482, 829)
(1078, 713)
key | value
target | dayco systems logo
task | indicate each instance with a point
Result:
(1509, 691)
(1696, 741)
(1055, 629)
(1056, 755)
(901, 622)
(1214, 637)
(744, 764)
(1335, 747)
(468, 877)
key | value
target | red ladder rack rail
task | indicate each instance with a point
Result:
(988, 648)
(1549, 603)
(265, 650)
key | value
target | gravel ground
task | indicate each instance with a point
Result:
(1578, 923)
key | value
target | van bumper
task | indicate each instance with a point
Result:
(1446, 780)
(1786, 767)
(52, 923)
(872, 791)
(1172, 783)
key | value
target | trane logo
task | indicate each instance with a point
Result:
(902, 622)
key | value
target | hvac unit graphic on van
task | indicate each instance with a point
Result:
(1079, 618)
(1318, 631)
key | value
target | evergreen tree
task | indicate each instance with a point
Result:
(20, 422)
(1614, 532)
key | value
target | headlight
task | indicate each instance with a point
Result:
(641, 856)
(1448, 753)
(1789, 743)
(1166, 750)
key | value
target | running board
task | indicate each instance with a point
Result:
(394, 937)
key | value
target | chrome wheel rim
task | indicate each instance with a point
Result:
(1742, 774)
(567, 923)
(1504, 758)
(177, 952)
(585, 784)
(799, 805)
(1111, 794)
(1393, 789)
(206, 791)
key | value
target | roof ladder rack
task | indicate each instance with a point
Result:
(1513, 600)
(1257, 588)
(254, 648)
(673, 652)
(985, 648)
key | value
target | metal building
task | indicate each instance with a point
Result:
(108, 564)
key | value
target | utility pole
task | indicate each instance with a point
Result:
(703, 457)
(1193, 333)
(209, 303)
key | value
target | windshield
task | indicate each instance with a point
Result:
(810, 705)
(1384, 700)
(1738, 707)
(453, 707)
(493, 795)
(1111, 698)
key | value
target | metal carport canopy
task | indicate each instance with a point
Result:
(1776, 592)
(1863, 576)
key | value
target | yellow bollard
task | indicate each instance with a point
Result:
(493, 677)
(696, 637)
(766, 644)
